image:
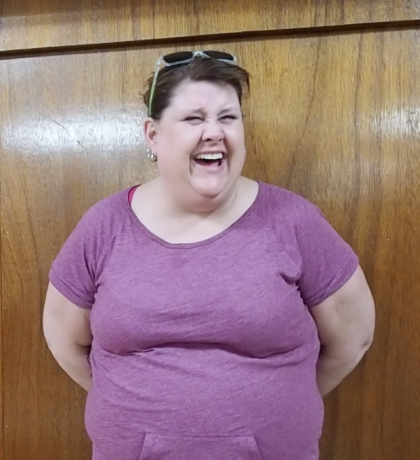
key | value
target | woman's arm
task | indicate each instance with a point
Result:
(68, 335)
(345, 323)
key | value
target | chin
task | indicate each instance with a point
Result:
(211, 191)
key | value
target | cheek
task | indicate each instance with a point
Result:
(235, 136)
(181, 140)
(174, 151)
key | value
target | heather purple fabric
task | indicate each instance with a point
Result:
(204, 351)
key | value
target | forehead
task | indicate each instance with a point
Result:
(202, 95)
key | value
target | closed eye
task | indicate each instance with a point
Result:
(193, 119)
(229, 117)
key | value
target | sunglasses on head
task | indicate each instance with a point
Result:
(185, 57)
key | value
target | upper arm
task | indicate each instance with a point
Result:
(63, 321)
(348, 315)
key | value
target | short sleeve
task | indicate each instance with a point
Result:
(73, 272)
(326, 260)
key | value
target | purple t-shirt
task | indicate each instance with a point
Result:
(204, 351)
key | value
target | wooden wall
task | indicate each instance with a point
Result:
(29, 24)
(334, 115)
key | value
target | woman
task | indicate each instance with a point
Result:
(216, 311)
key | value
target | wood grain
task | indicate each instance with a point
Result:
(25, 24)
(345, 133)
(33, 392)
(1, 307)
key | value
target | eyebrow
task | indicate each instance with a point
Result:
(228, 109)
(194, 110)
(201, 110)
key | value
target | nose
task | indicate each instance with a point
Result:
(213, 131)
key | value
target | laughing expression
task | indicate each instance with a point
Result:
(199, 140)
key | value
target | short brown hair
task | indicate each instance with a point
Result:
(199, 69)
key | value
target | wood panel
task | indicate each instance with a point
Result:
(49, 135)
(1, 323)
(342, 132)
(25, 24)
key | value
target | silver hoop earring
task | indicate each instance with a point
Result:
(151, 156)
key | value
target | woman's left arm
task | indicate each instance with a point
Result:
(345, 323)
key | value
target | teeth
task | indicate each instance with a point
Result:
(209, 156)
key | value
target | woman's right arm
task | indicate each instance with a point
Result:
(68, 335)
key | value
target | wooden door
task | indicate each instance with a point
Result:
(333, 115)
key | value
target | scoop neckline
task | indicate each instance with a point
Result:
(196, 244)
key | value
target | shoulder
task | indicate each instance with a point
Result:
(103, 220)
(115, 203)
(300, 223)
(107, 211)
(98, 227)
(287, 206)
(323, 258)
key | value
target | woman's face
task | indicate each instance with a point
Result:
(199, 140)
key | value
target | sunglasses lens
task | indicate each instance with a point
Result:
(173, 58)
(220, 55)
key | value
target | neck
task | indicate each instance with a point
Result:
(189, 204)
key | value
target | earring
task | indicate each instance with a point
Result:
(151, 156)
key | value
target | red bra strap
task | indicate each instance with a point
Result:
(131, 193)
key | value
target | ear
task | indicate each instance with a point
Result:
(151, 128)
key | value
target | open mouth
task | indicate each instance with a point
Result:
(210, 159)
